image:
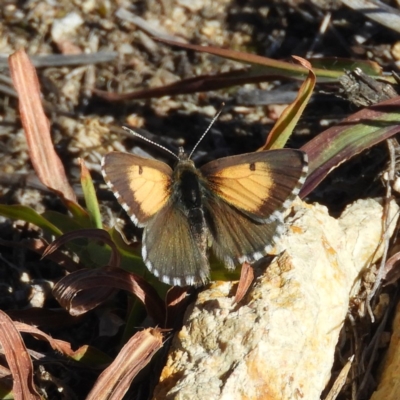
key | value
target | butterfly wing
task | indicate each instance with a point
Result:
(236, 237)
(248, 196)
(141, 185)
(171, 248)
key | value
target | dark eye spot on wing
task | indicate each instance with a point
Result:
(140, 170)
(252, 166)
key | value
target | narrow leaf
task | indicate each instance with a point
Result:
(339, 143)
(262, 69)
(326, 70)
(27, 214)
(37, 128)
(283, 128)
(89, 193)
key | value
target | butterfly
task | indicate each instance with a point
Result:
(233, 205)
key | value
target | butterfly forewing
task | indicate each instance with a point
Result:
(260, 184)
(141, 185)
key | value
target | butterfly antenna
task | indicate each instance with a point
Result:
(206, 131)
(148, 140)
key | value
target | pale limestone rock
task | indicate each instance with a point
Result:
(279, 342)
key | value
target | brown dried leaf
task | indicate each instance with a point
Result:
(203, 83)
(83, 290)
(246, 278)
(44, 159)
(177, 301)
(115, 380)
(59, 345)
(18, 359)
(84, 353)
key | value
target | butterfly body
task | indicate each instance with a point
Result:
(189, 189)
(234, 205)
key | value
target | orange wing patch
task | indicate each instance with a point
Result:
(245, 186)
(150, 188)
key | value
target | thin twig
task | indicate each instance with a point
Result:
(385, 223)
(373, 348)
(63, 60)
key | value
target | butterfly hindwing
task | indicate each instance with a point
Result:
(236, 237)
(171, 248)
(141, 185)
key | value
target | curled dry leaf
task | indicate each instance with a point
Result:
(83, 353)
(59, 345)
(114, 381)
(83, 290)
(18, 360)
